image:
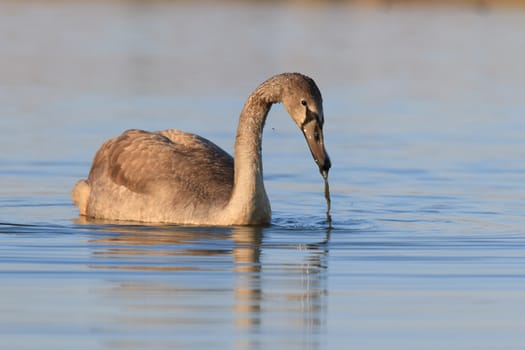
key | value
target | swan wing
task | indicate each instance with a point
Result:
(186, 167)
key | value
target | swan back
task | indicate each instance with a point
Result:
(155, 177)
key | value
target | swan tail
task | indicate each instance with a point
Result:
(80, 196)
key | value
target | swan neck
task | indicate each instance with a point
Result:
(249, 202)
(248, 143)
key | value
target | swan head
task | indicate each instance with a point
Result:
(302, 99)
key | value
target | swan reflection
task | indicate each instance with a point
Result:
(196, 278)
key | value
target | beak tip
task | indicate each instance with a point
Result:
(325, 167)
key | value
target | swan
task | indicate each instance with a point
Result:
(171, 176)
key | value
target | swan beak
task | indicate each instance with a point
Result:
(314, 137)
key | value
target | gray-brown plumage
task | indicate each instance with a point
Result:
(176, 177)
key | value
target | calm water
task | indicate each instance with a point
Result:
(425, 120)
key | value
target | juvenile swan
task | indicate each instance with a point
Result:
(175, 177)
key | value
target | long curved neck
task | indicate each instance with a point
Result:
(249, 203)
(248, 143)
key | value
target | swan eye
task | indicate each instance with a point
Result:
(303, 102)
(316, 135)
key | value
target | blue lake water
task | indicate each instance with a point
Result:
(425, 120)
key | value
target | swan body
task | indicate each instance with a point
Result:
(172, 176)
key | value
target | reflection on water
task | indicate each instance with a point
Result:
(247, 291)
(266, 297)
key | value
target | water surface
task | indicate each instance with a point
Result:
(424, 125)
